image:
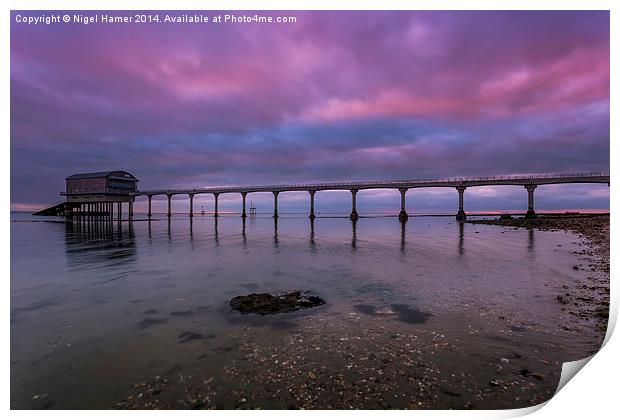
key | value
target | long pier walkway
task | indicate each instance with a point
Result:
(529, 182)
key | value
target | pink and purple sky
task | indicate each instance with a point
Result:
(334, 96)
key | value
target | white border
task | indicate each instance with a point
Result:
(592, 394)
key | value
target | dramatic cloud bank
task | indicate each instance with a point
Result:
(334, 96)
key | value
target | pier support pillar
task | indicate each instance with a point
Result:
(312, 204)
(131, 209)
(243, 195)
(216, 196)
(353, 215)
(531, 214)
(461, 216)
(403, 216)
(275, 203)
(119, 210)
(169, 205)
(149, 214)
(191, 205)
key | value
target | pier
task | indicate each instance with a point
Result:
(94, 194)
(529, 182)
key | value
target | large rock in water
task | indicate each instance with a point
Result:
(266, 303)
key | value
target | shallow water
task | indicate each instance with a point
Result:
(97, 308)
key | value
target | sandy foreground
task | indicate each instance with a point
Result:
(345, 364)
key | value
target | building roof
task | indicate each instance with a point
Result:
(105, 174)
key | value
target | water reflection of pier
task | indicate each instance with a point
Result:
(112, 231)
(312, 223)
(311, 234)
(99, 241)
(461, 237)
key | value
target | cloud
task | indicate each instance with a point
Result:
(337, 95)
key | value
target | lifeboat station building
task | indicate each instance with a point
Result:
(94, 194)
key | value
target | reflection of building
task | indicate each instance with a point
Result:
(99, 241)
(100, 187)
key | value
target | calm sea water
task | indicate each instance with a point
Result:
(96, 308)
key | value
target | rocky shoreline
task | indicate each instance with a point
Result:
(591, 301)
(338, 365)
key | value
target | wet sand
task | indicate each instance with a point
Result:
(365, 360)
(330, 366)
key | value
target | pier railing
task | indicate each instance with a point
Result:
(403, 183)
